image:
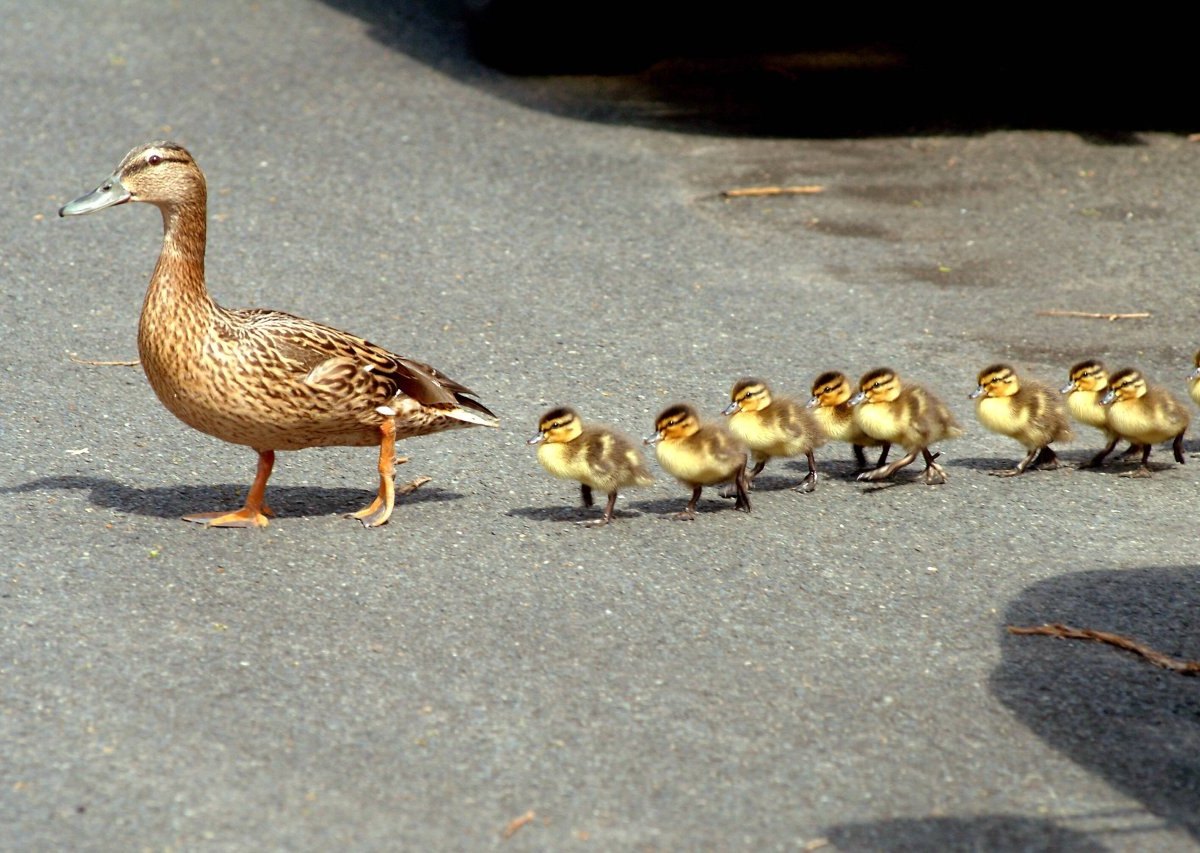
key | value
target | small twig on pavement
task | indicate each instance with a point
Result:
(1057, 629)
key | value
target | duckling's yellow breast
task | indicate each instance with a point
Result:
(1085, 407)
(879, 420)
(1143, 423)
(767, 437)
(837, 423)
(1194, 390)
(563, 461)
(1002, 415)
(686, 462)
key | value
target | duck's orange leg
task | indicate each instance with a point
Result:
(380, 509)
(255, 512)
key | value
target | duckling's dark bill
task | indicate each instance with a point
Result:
(109, 193)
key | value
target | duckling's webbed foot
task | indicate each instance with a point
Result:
(1047, 459)
(882, 472)
(607, 517)
(1029, 459)
(1097, 460)
(810, 480)
(935, 475)
(689, 513)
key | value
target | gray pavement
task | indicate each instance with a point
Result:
(829, 672)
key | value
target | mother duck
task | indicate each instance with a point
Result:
(268, 380)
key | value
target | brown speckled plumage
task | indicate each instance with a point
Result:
(265, 379)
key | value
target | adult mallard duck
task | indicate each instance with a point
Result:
(268, 380)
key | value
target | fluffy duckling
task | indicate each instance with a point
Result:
(1086, 385)
(1144, 414)
(773, 427)
(596, 456)
(699, 454)
(904, 414)
(830, 402)
(1025, 410)
(1194, 380)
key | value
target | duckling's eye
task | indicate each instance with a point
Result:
(154, 159)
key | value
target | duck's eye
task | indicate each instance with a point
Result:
(154, 159)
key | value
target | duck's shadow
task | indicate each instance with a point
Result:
(176, 501)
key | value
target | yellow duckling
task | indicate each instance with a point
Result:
(265, 379)
(773, 427)
(1087, 382)
(699, 454)
(1194, 380)
(830, 402)
(1144, 414)
(596, 456)
(1025, 410)
(903, 414)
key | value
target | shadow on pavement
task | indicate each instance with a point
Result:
(1110, 711)
(989, 832)
(780, 70)
(177, 501)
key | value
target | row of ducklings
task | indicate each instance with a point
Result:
(883, 412)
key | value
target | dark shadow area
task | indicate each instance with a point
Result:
(789, 70)
(975, 834)
(710, 501)
(1111, 711)
(177, 501)
(577, 515)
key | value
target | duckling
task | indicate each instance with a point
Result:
(830, 403)
(1194, 380)
(1025, 410)
(699, 454)
(773, 427)
(904, 414)
(596, 456)
(1145, 414)
(265, 379)
(1087, 382)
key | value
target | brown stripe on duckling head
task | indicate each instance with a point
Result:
(673, 415)
(558, 418)
(827, 381)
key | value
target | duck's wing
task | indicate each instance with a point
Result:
(343, 364)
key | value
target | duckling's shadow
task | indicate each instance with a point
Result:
(571, 514)
(668, 507)
(177, 501)
(994, 465)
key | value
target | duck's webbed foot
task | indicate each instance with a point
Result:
(255, 512)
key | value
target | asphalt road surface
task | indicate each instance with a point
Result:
(831, 671)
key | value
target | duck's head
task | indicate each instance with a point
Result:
(1127, 384)
(558, 426)
(161, 173)
(1195, 374)
(999, 380)
(748, 395)
(881, 385)
(830, 389)
(675, 422)
(1088, 375)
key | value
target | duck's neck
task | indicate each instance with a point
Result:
(177, 293)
